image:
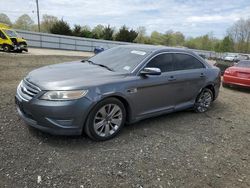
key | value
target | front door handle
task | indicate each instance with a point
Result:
(132, 90)
(171, 78)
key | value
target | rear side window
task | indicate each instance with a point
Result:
(186, 62)
(163, 62)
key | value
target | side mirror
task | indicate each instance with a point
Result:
(150, 71)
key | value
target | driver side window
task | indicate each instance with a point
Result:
(163, 61)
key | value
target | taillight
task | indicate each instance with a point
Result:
(227, 71)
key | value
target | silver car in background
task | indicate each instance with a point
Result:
(121, 85)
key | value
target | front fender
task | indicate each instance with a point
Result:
(99, 95)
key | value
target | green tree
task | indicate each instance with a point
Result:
(217, 46)
(108, 33)
(126, 35)
(157, 38)
(24, 22)
(192, 43)
(97, 31)
(47, 22)
(86, 32)
(77, 30)
(61, 27)
(169, 39)
(205, 42)
(141, 37)
(226, 44)
(5, 19)
(179, 38)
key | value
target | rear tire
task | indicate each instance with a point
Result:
(105, 120)
(203, 101)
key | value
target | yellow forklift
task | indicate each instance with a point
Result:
(10, 40)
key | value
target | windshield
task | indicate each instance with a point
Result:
(245, 64)
(10, 33)
(121, 59)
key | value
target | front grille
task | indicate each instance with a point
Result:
(26, 91)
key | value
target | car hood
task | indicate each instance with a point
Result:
(73, 75)
(18, 39)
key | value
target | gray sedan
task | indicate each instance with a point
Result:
(121, 85)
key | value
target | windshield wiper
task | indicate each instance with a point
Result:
(101, 65)
(105, 66)
(86, 60)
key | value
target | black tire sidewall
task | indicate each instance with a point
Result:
(89, 127)
(6, 47)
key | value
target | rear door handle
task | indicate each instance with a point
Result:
(202, 75)
(171, 78)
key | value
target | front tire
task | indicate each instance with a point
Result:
(203, 101)
(6, 48)
(106, 119)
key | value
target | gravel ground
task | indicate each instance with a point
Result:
(182, 149)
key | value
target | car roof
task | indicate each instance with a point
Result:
(159, 49)
(155, 48)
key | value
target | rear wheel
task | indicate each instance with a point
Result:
(203, 101)
(106, 120)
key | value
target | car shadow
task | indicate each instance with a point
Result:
(153, 125)
(66, 142)
(238, 88)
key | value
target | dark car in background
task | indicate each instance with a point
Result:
(121, 85)
(98, 50)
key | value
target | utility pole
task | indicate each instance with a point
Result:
(38, 18)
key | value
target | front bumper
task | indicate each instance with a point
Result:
(55, 117)
(20, 47)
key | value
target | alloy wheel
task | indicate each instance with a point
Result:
(107, 120)
(204, 101)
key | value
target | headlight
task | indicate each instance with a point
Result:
(64, 95)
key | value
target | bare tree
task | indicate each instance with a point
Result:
(24, 22)
(5, 19)
(239, 32)
(47, 22)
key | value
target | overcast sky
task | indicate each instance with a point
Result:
(192, 17)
